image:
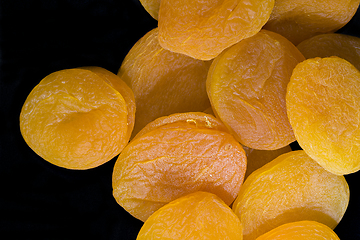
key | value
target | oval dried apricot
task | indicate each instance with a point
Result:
(298, 20)
(163, 82)
(174, 159)
(332, 44)
(76, 119)
(323, 104)
(301, 230)
(203, 29)
(246, 86)
(200, 215)
(292, 187)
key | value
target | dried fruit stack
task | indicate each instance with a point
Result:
(221, 91)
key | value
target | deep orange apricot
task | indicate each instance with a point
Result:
(246, 86)
(301, 230)
(203, 29)
(200, 215)
(298, 20)
(332, 44)
(292, 187)
(323, 105)
(163, 82)
(77, 118)
(169, 160)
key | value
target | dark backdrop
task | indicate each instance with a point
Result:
(42, 201)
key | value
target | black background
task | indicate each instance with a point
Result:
(39, 200)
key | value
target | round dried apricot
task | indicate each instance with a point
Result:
(200, 215)
(203, 29)
(292, 187)
(301, 230)
(247, 84)
(78, 118)
(298, 20)
(323, 104)
(332, 44)
(173, 158)
(163, 82)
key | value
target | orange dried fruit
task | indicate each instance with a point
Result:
(301, 230)
(200, 215)
(78, 118)
(152, 7)
(323, 104)
(332, 44)
(292, 187)
(163, 82)
(174, 156)
(203, 29)
(258, 158)
(246, 86)
(298, 20)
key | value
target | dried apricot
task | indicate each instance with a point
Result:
(78, 118)
(332, 44)
(163, 82)
(247, 84)
(200, 215)
(323, 104)
(292, 187)
(301, 230)
(176, 156)
(298, 20)
(203, 29)
(258, 158)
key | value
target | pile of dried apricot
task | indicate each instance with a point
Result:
(201, 115)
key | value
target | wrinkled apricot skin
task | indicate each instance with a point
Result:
(203, 29)
(76, 118)
(125, 91)
(332, 44)
(298, 20)
(323, 104)
(301, 230)
(200, 215)
(175, 158)
(292, 187)
(163, 82)
(246, 85)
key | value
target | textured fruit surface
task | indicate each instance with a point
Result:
(258, 158)
(125, 91)
(203, 29)
(152, 7)
(332, 44)
(177, 158)
(292, 187)
(298, 20)
(246, 86)
(200, 215)
(163, 82)
(301, 230)
(323, 101)
(76, 119)
(199, 119)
